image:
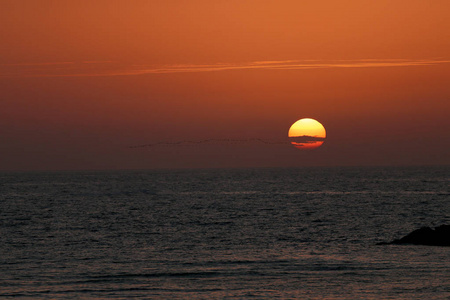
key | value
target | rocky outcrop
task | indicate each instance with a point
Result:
(439, 236)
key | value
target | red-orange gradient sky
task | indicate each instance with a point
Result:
(81, 81)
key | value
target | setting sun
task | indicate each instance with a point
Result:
(307, 134)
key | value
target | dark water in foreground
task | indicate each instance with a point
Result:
(261, 233)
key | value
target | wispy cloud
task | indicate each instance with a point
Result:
(55, 63)
(306, 139)
(109, 68)
(213, 141)
(37, 64)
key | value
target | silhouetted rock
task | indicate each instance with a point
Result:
(439, 236)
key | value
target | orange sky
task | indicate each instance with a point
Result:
(81, 81)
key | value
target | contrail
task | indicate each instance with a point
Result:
(210, 141)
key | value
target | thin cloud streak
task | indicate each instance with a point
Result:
(213, 141)
(57, 63)
(109, 68)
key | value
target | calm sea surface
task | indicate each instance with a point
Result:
(243, 233)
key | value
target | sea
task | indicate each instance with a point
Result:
(295, 233)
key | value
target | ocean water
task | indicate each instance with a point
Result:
(230, 234)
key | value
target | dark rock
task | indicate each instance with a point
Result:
(439, 236)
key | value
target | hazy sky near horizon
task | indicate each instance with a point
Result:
(82, 81)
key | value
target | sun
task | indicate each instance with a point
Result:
(307, 134)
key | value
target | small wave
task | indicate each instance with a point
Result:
(163, 274)
(71, 291)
